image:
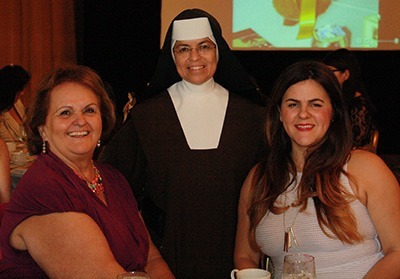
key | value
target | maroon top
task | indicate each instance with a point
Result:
(51, 186)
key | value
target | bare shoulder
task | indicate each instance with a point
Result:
(362, 160)
(370, 170)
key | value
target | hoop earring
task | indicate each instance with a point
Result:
(44, 147)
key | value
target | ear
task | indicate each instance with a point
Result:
(42, 132)
(280, 114)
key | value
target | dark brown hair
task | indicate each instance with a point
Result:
(13, 80)
(323, 165)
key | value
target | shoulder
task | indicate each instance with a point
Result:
(112, 174)
(366, 164)
(369, 172)
(109, 171)
(150, 103)
(245, 107)
(364, 160)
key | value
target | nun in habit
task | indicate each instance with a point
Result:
(192, 138)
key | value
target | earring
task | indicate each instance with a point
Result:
(44, 147)
(98, 143)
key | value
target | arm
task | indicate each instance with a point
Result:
(5, 176)
(246, 254)
(379, 190)
(66, 245)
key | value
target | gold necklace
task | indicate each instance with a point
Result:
(290, 235)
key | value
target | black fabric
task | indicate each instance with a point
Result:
(197, 190)
(230, 73)
(189, 198)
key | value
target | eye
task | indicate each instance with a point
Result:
(89, 110)
(65, 112)
(184, 49)
(318, 105)
(204, 47)
(292, 105)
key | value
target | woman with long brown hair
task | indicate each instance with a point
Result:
(313, 194)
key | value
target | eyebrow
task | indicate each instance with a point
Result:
(187, 44)
(309, 101)
(71, 107)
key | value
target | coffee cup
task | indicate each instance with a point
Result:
(250, 273)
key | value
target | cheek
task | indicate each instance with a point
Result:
(326, 117)
(213, 66)
(99, 125)
(285, 116)
(180, 66)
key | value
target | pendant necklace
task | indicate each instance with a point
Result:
(290, 238)
(96, 185)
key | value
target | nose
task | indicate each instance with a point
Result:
(194, 54)
(304, 113)
(80, 119)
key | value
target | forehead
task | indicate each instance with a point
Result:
(71, 92)
(194, 42)
(306, 89)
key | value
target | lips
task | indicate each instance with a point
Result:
(304, 127)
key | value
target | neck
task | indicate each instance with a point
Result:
(84, 169)
(298, 158)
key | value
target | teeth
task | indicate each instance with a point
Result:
(74, 134)
(304, 126)
(196, 67)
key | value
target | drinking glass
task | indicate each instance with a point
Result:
(298, 266)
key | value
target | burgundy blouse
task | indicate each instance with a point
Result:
(51, 186)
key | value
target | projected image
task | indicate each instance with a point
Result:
(301, 24)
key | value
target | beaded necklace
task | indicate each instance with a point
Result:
(96, 185)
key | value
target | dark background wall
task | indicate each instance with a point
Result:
(121, 39)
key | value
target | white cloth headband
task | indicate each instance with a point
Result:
(191, 29)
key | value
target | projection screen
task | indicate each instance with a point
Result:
(299, 24)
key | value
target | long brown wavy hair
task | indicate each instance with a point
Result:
(323, 165)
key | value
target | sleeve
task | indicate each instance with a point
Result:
(41, 191)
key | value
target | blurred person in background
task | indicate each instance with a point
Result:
(13, 81)
(344, 64)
